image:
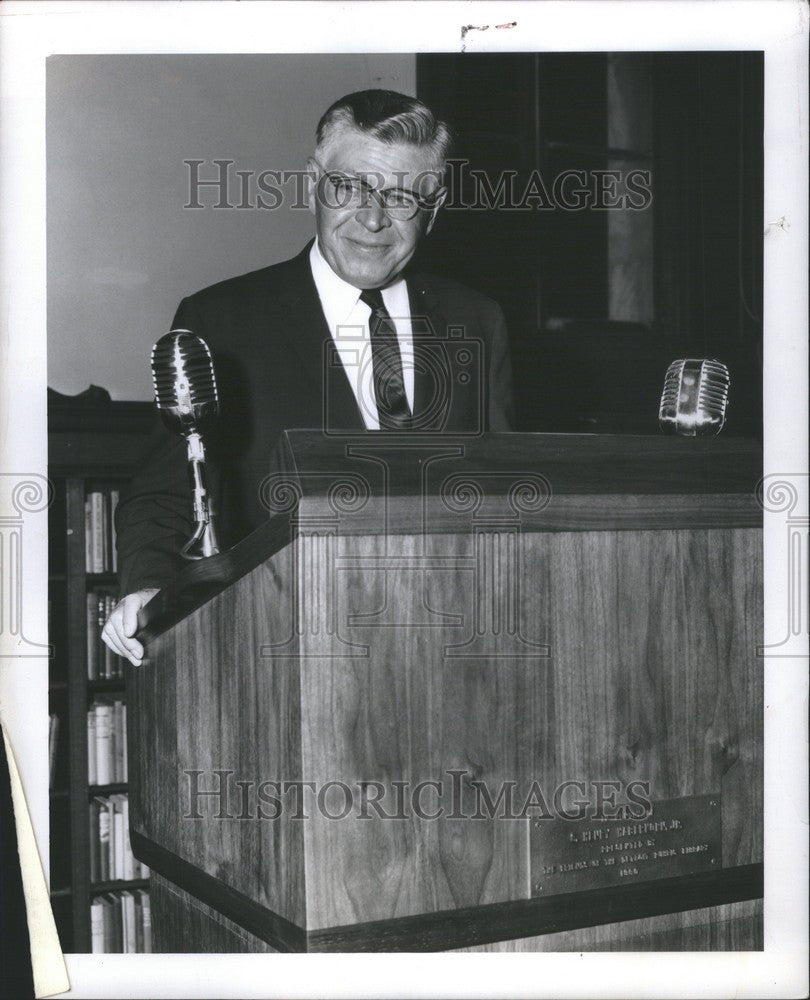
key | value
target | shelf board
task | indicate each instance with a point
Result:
(108, 578)
(106, 684)
(136, 883)
(58, 793)
(60, 893)
(113, 789)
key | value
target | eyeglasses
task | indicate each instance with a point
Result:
(345, 191)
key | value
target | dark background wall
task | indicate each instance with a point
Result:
(599, 302)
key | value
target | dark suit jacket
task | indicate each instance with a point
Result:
(277, 368)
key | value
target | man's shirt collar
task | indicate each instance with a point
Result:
(339, 298)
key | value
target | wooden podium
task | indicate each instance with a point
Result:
(463, 693)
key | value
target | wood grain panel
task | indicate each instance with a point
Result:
(655, 668)
(209, 701)
(181, 923)
(386, 676)
(373, 719)
(736, 563)
(408, 713)
(732, 927)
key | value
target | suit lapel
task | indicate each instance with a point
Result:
(307, 334)
(440, 402)
(428, 325)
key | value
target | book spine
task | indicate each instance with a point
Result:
(97, 927)
(92, 764)
(95, 841)
(105, 533)
(88, 537)
(118, 723)
(97, 528)
(124, 757)
(103, 743)
(129, 859)
(147, 925)
(109, 928)
(106, 652)
(92, 638)
(114, 659)
(130, 945)
(101, 647)
(118, 830)
(138, 898)
(104, 839)
(118, 925)
(111, 841)
(114, 498)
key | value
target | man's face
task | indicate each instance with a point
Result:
(362, 243)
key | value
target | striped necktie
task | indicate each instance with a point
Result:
(389, 385)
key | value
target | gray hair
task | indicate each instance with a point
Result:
(389, 117)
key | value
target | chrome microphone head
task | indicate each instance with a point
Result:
(185, 386)
(695, 397)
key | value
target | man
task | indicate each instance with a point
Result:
(280, 349)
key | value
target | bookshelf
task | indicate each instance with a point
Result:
(93, 446)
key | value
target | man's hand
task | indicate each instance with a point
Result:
(123, 623)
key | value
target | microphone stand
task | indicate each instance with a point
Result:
(203, 542)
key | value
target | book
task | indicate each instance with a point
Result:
(129, 858)
(119, 750)
(88, 537)
(118, 924)
(108, 905)
(117, 860)
(124, 765)
(104, 737)
(92, 637)
(97, 531)
(102, 662)
(103, 832)
(97, 926)
(92, 768)
(115, 496)
(128, 912)
(121, 921)
(95, 841)
(102, 649)
(107, 741)
(137, 896)
(147, 924)
(105, 529)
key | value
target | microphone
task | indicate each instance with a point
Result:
(186, 398)
(695, 397)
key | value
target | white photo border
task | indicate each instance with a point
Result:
(31, 31)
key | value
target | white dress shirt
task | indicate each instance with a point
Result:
(347, 318)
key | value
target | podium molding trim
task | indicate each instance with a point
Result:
(463, 928)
